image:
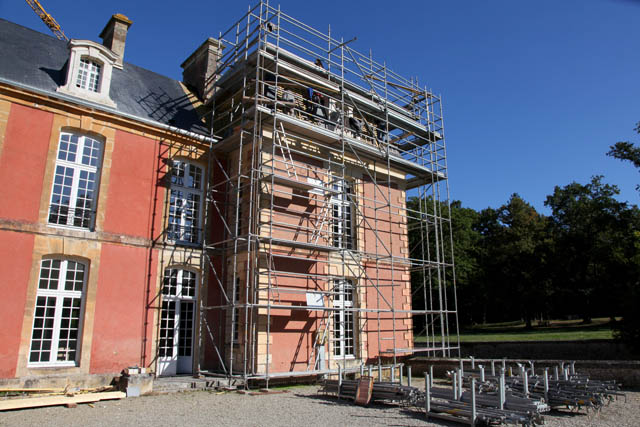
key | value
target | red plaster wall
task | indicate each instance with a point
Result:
(293, 331)
(16, 251)
(23, 162)
(120, 314)
(132, 181)
(401, 296)
(390, 239)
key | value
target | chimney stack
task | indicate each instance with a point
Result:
(198, 68)
(114, 35)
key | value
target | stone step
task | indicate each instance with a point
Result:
(186, 383)
(181, 384)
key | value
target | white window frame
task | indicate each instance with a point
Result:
(342, 219)
(184, 187)
(75, 162)
(343, 329)
(89, 74)
(59, 312)
(94, 52)
(177, 294)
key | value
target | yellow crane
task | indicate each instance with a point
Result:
(47, 19)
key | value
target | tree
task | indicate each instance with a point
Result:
(626, 151)
(629, 329)
(465, 240)
(587, 223)
(520, 253)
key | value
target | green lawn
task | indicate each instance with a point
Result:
(556, 330)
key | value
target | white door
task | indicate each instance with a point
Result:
(175, 343)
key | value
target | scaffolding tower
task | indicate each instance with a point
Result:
(328, 197)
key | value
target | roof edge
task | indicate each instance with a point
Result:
(102, 108)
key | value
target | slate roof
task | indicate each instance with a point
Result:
(38, 60)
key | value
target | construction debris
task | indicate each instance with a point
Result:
(69, 401)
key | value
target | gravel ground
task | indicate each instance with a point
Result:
(299, 406)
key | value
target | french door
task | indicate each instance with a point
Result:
(177, 318)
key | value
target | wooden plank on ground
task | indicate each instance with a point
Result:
(35, 402)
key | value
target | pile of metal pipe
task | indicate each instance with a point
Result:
(476, 396)
(473, 407)
(568, 389)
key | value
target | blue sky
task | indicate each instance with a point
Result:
(534, 91)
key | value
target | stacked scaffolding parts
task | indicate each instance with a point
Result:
(307, 219)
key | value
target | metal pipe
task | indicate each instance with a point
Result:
(546, 384)
(473, 402)
(339, 380)
(501, 387)
(427, 392)
(454, 384)
(431, 374)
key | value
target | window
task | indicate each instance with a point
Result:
(75, 184)
(342, 218)
(343, 337)
(88, 75)
(58, 311)
(185, 203)
(177, 315)
(179, 283)
(89, 72)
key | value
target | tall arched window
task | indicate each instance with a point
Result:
(75, 183)
(342, 231)
(57, 318)
(185, 202)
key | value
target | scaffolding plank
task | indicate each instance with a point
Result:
(363, 148)
(298, 244)
(298, 183)
(36, 402)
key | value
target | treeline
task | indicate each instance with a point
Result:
(582, 260)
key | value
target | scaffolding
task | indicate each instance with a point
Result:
(327, 198)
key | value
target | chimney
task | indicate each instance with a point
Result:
(198, 68)
(114, 35)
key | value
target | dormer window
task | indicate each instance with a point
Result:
(89, 72)
(88, 75)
